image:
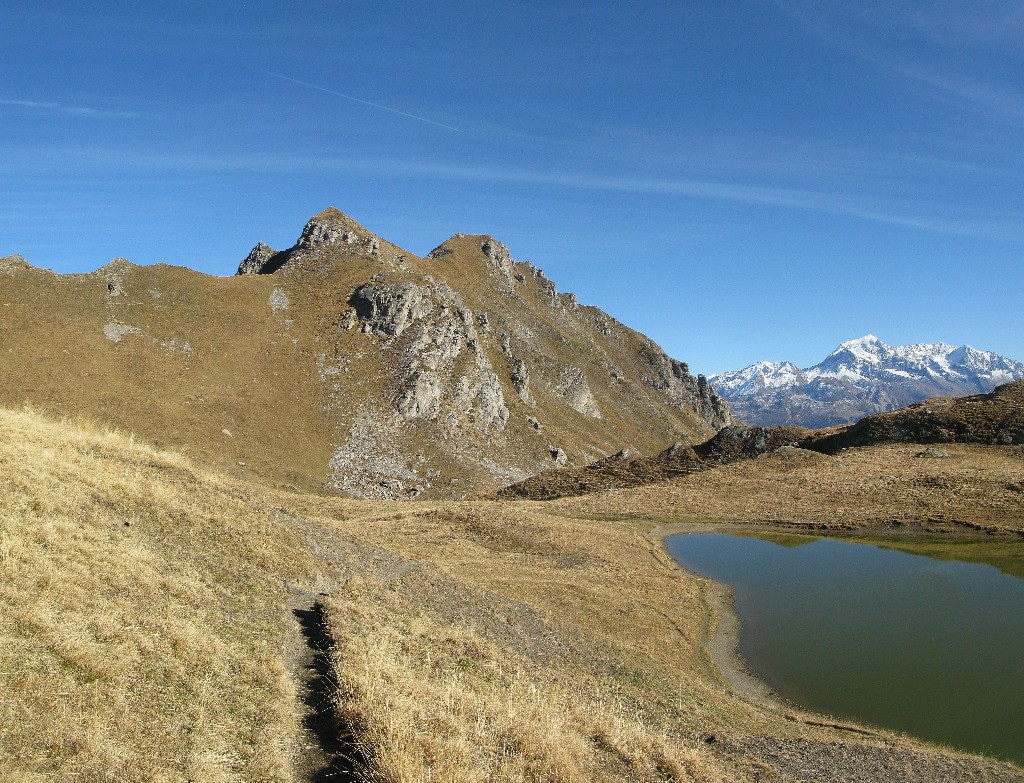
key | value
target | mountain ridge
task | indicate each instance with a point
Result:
(860, 377)
(349, 364)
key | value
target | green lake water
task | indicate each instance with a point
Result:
(934, 648)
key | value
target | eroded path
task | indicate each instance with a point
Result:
(326, 751)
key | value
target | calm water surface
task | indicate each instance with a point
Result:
(934, 648)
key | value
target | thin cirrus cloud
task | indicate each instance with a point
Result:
(360, 100)
(825, 202)
(875, 33)
(60, 108)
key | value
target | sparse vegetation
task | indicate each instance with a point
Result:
(144, 623)
(139, 628)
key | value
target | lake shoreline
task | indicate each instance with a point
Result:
(719, 644)
(720, 640)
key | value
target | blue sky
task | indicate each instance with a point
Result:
(738, 180)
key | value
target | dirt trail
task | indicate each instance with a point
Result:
(326, 752)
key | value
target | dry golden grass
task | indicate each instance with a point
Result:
(143, 629)
(437, 701)
(139, 629)
(856, 488)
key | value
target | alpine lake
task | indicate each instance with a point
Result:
(922, 636)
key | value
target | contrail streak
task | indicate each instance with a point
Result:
(360, 100)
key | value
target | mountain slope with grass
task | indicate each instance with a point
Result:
(995, 419)
(346, 363)
(150, 608)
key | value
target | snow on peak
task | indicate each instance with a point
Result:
(866, 349)
(864, 375)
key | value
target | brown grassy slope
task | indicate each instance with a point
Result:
(475, 641)
(982, 485)
(209, 355)
(995, 418)
(180, 357)
(141, 633)
(140, 625)
(518, 645)
(621, 471)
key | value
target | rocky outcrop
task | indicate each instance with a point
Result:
(11, 265)
(574, 388)
(371, 463)
(329, 230)
(674, 379)
(521, 381)
(333, 227)
(390, 308)
(444, 369)
(735, 442)
(497, 255)
(258, 262)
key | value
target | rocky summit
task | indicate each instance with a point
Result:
(349, 364)
(860, 377)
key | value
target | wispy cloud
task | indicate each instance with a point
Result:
(994, 98)
(924, 216)
(360, 100)
(60, 108)
(963, 37)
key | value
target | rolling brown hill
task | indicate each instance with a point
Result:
(349, 364)
(994, 419)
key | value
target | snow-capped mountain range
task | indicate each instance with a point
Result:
(859, 377)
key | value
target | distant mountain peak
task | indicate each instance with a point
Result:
(861, 376)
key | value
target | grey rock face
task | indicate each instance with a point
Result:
(497, 256)
(258, 260)
(574, 388)
(11, 265)
(370, 464)
(521, 381)
(674, 379)
(116, 332)
(421, 396)
(478, 394)
(328, 231)
(278, 300)
(390, 308)
(440, 353)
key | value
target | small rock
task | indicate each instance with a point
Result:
(278, 300)
(559, 456)
(116, 332)
(932, 453)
